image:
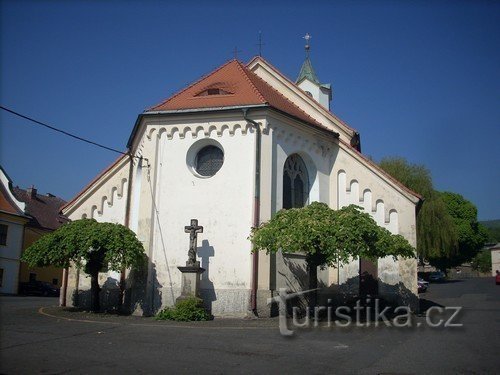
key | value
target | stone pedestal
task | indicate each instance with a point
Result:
(190, 285)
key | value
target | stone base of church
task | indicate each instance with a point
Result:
(219, 302)
(265, 310)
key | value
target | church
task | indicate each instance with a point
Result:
(230, 150)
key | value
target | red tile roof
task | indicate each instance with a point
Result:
(43, 209)
(242, 87)
(6, 204)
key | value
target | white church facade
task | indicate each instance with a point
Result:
(231, 150)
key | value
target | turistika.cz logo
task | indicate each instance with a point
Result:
(360, 315)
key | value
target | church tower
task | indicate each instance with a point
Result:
(309, 82)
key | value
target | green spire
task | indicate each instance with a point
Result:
(308, 72)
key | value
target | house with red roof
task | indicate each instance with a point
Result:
(25, 216)
(230, 150)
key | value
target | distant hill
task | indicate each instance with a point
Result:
(493, 227)
(491, 223)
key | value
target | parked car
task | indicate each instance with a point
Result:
(39, 288)
(497, 278)
(422, 285)
(420, 280)
(437, 277)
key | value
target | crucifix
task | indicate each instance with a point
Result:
(193, 231)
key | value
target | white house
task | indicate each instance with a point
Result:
(231, 150)
(12, 222)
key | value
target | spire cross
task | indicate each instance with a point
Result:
(307, 37)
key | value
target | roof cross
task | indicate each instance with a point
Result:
(260, 44)
(235, 51)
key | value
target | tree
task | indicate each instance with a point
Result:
(436, 232)
(471, 234)
(493, 230)
(482, 261)
(89, 244)
(328, 237)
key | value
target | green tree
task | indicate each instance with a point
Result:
(471, 234)
(493, 230)
(328, 237)
(89, 244)
(482, 261)
(436, 232)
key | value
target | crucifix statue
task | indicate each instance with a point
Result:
(193, 231)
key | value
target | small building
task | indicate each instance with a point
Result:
(25, 216)
(495, 259)
(12, 222)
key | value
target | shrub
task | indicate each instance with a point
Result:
(190, 309)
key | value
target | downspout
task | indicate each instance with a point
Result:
(127, 224)
(256, 210)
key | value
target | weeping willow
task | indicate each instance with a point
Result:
(436, 231)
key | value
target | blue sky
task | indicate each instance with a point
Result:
(418, 79)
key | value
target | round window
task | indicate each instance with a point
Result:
(208, 161)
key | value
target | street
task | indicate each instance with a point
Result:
(35, 339)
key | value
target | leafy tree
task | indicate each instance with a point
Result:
(471, 234)
(436, 232)
(89, 244)
(493, 230)
(328, 237)
(482, 261)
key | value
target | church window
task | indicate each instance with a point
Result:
(295, 182)
(214, 91)
(209, 160)
(309, 93)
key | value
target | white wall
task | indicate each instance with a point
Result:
(495, 261)
(9, 256)
(223, 204)
(288, 138)
(105, 201)
(318, 94)
(390, 208)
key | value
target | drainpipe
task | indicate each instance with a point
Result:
(127, 224)
(256, 210)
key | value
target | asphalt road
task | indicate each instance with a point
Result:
(32, 340)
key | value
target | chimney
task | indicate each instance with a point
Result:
(32, 192)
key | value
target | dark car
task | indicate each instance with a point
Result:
(38, 288)
(437, 277)
(422, 285)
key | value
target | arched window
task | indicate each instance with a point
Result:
(295, 182)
